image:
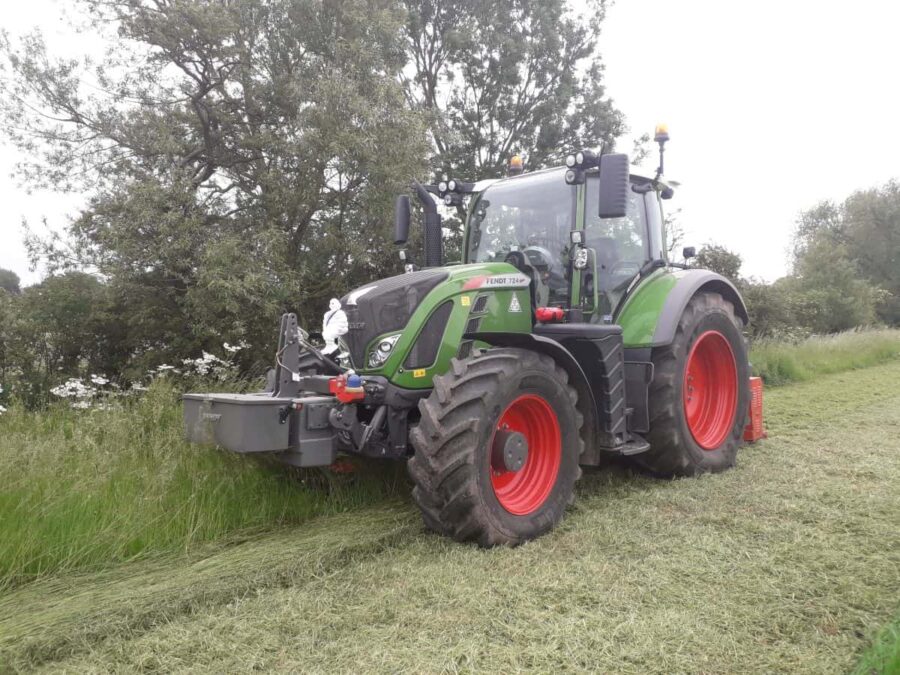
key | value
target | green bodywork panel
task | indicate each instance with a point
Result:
(640, 313)
(498, 315)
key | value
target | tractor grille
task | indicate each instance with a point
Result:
(480, 304)
(465, 349)
(473, 324)
(385, 307)
(425, 349)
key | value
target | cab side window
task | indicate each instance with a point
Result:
(620, 243)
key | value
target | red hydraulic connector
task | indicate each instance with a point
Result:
(347, 389)
(549, 314)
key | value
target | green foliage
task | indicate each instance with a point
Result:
(719, 259)
(64, 326)
(847, 256)
(497, 77)
(240, 158)
(87, 488)
(781, 361)
(9, 282)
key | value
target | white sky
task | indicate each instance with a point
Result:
(771, 105)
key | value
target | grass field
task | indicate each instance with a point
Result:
(790, 562)
(84, 489)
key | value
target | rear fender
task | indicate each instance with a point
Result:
(650, 317)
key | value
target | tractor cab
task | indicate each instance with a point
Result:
(538, 222)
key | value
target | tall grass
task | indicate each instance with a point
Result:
(85, 488)
(883, 656)
(779, 362)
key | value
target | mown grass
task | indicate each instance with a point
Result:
(780, 362)
(89, 488)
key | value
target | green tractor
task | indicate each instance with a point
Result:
(563, 338)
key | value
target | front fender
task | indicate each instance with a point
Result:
(563, 357)
(651, 314)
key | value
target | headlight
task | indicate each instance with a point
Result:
(442, 186)
(382, 350)
(451, 186)
(570, 161)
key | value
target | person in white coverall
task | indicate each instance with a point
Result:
(334, 324)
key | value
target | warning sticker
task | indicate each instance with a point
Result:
(514, 305)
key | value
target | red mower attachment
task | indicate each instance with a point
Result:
(347, 389)
(754, 429)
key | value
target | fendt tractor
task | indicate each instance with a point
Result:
(563, 338)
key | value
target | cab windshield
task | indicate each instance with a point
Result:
(533, 215)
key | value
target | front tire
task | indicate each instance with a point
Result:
(700, 392)
(500, 400)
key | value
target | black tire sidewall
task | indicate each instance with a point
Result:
(724, 455)
(555, 393)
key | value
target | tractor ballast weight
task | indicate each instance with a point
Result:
(564, 338)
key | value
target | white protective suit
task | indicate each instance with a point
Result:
(334, 324)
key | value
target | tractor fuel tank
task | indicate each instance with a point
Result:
(297, 429)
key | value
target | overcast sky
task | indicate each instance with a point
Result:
(771, 106)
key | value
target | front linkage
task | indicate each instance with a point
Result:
(303, 417)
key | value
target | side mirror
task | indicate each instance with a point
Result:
(613, 186)
(688, 252)
(401, 220)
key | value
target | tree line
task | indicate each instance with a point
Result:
(845, 269)
(239, 159)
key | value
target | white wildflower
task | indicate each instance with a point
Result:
(99, 380)
(137, 386)
(81, 405)
(73, 388)
(2, 410)
(164, 367)
(231, 348)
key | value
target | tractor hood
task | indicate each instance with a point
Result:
(385, 307)
(422, 303)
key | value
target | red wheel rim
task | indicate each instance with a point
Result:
(524, 491)
(710, 389)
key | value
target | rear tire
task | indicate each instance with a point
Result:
(461, 486)
(700, 394)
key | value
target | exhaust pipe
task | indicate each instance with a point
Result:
(434, 245)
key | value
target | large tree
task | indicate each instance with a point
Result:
(852, 251)
(498, 77)
(239, 157)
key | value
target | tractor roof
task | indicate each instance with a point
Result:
(636, 172)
